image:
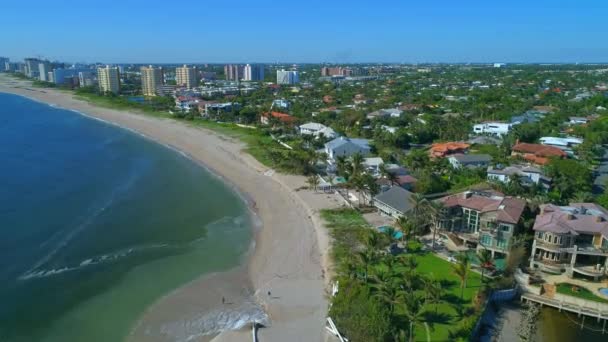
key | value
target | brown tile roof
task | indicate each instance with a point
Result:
(284, 118)
(539, 150)
(406, 179)
(443, 149)
(508, 209)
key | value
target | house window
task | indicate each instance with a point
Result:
(486, 240)
(505, 228)
(539, 235)
(502, 243)
(604, 243)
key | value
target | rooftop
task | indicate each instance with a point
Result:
(574, 219)
(508, 209)
(397, 198)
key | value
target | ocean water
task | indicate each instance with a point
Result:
(96, 223)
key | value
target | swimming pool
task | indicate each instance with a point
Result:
(603, 291)
(397, 234)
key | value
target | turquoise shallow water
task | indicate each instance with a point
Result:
(96, 223)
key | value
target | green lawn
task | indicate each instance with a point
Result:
(566, 288)
(447, 316)
(346, 226)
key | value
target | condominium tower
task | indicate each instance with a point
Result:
(151, 78)
(287, 77)
(233, 72)
(44, 67)
(186, 77)
(254, 72)
(108, 79)
(30, 67)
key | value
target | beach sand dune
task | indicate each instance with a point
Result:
(290, 258)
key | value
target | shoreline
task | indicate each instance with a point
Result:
(292, 263)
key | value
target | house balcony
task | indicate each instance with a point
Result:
(549, 246)
(549, 266)
(589, 270)
(586, 249)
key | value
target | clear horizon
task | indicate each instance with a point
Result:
(385, 32)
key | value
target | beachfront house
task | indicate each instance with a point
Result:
(571, 239)
(347, 147)
(482, 219)
(394, 202)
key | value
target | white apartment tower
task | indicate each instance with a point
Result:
(186, 77)
(287, 77)
(253, 72)
(108, 79)
(151, 78)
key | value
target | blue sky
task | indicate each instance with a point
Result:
(306, 31)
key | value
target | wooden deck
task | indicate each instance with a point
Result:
(570, 307)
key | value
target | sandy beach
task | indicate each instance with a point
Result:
(290, 258)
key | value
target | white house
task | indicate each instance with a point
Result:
(563, 143)
(577, 120)
(527, 174)
(347, 147)
(372, 164)
(317, 130)
(383, 113)
(495, 128)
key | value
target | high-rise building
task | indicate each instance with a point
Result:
(3, 62)
(151, 78)
(186, 77)
(336, 71)
(50, 77)
(30, 67)
(109, 79)
(86, 78)
(253, 72)
(233, 72)
(287, 77)
(43, 70)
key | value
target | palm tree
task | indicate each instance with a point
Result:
(357, 164)
(390, 176)
(582, 197)
(461, 270)
(433, 291)
(313, 181)
(418, 202)
(405, 225)
(390, 232)
(485, 261)
(414, 311)
(436, 211)
(341, 165)
(366, 257)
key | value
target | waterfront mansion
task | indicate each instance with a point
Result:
(571, 239)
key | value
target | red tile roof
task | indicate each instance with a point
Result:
(443, 149)
(284, 118)
(538, 154)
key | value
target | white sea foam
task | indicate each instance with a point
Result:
(214, 322)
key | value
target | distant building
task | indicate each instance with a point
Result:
(440, 150)
(494, 128)
(280, 104)
(43, 70)
(317, 130)
(185, 76)
(30, 67)
(3, 64)
(86, 78)
(108, 79)
(165, 89)
(50, 76)
(254, 72)
(565, 144)
(527, 175)
(500, 65)
(572, 240)
(266, 118)
(469, 160)
(535, 153)
(336, 71)
(347, 147)
(151, 78)
(63, 76)
(287, 77)
(385, 113)
(577, 120)
(233, 72)
(217, 108)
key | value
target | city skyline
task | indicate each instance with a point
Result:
(385, 32)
